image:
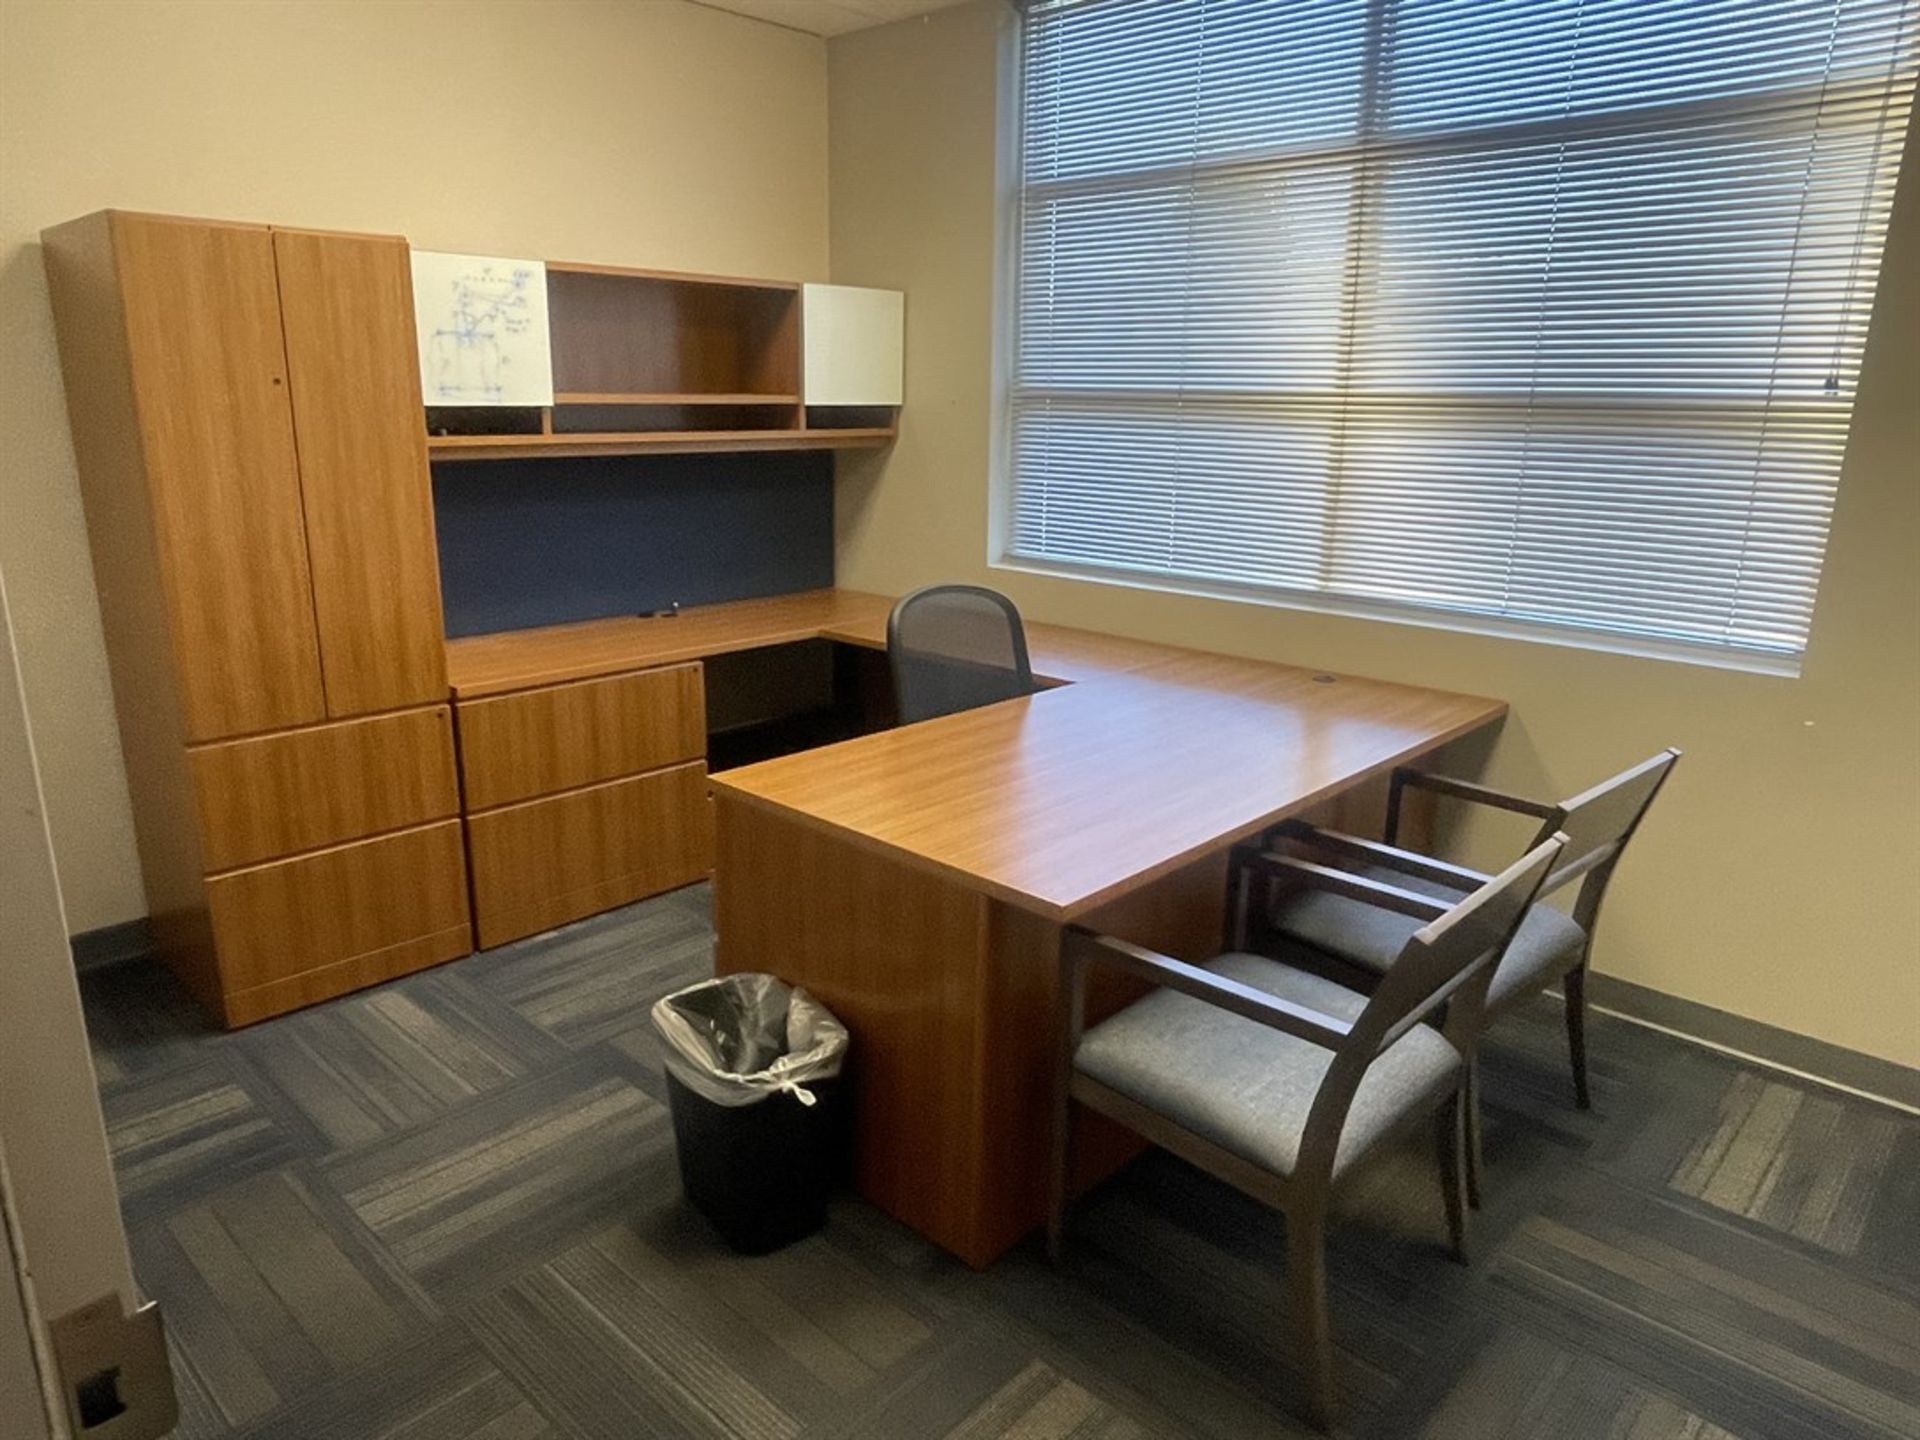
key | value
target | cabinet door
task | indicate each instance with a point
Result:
(203, 336)
(346, 304)
(854, 343)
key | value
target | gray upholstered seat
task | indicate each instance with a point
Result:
(1547, 945)
(1278, 1080)
(1249, 1088)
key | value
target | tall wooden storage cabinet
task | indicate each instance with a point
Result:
(246, 415)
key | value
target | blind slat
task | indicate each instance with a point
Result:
(1546, 309)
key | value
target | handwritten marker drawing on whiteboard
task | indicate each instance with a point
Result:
(482, 326)
(470, 354)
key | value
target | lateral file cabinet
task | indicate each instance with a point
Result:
(583, 796)
(246, 408)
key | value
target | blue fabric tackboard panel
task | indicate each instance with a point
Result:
(545, 541)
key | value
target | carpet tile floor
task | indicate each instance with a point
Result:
(447, 1209)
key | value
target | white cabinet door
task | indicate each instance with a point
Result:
(854, 345)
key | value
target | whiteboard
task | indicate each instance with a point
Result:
(482, 324)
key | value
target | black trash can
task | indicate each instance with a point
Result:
(760, 1110)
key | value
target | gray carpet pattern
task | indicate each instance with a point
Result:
(447, 1209)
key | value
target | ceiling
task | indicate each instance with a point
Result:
(829, 17)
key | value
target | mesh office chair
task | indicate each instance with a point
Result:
(955, 647)
(1552, 945)
(1279, 1082)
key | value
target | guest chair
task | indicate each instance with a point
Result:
(1278, 1081)
(955, 647)
(1363, 942)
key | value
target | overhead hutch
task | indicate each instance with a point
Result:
(314, 810)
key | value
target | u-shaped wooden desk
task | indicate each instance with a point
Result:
(918, 879)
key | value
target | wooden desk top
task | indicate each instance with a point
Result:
(1068, 799)
(1144, 758)
(522, 659)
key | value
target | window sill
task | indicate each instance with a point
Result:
(1750, 662)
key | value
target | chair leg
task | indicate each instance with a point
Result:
(1470, 1125)
(1307, 1294)
(1575, 989)
(1239, 902)
(1450, 1146)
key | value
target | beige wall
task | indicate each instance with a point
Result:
(1780, 877)
(641, 131)
(1778, 880)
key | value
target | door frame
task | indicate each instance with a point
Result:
(66, 1245)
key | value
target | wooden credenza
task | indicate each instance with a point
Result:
(246, 414)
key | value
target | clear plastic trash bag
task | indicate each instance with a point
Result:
(741, 1038)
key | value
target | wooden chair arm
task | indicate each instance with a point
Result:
(1353, 847)
(1406, 775)
(1339, 882)
(1243, 1000)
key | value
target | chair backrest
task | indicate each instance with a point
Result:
(1450, 961)
(954, 647)
(1598, 823)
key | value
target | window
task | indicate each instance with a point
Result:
(1543, 310)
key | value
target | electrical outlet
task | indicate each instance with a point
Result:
(113, 1372)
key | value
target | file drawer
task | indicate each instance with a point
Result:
(294, 931)
(544, 862)
(278, 795)
(560, 737)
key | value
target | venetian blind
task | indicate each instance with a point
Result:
(1541, 309)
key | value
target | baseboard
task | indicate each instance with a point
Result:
(112, 944)
(1819, 1060)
